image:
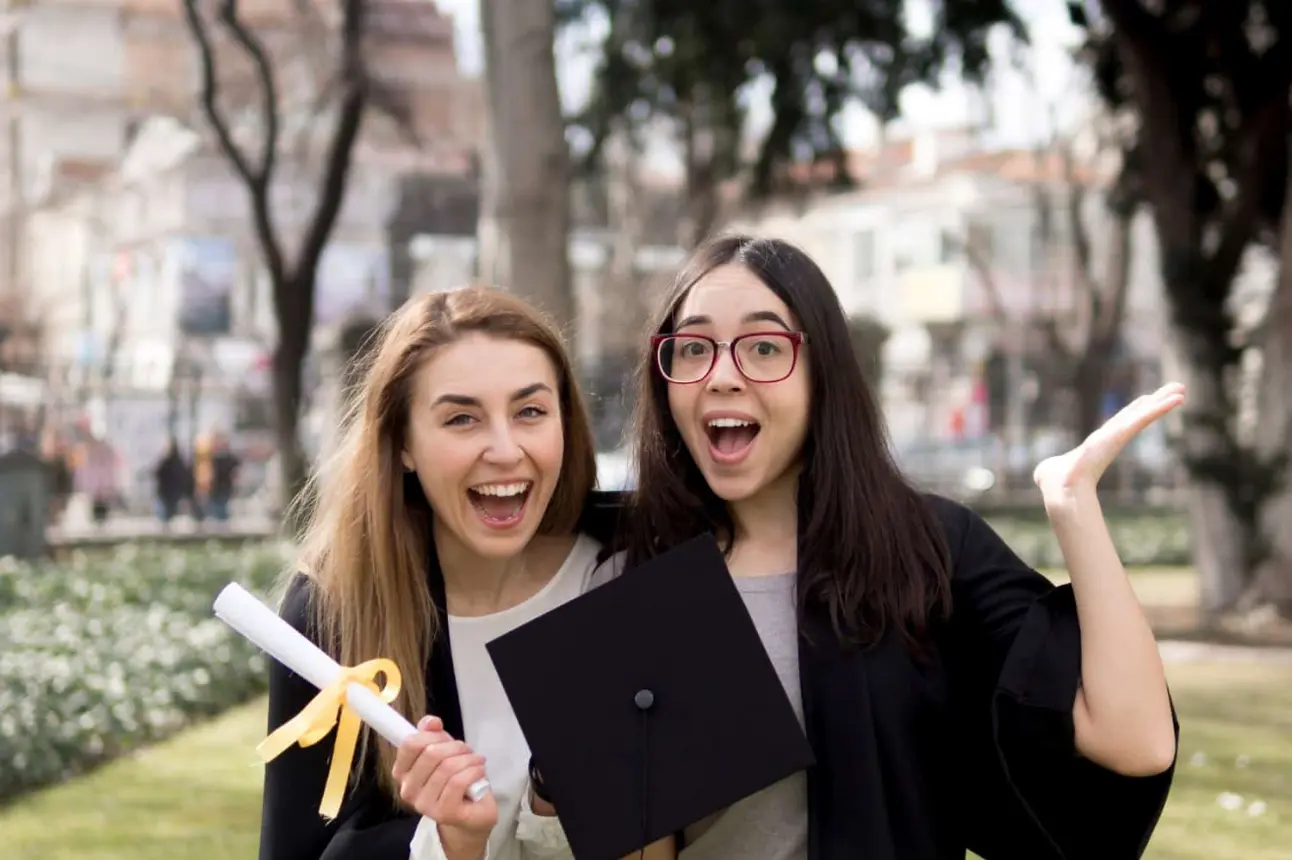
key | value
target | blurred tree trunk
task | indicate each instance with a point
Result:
(525, 207)
(1272, 580)
(1170, 70)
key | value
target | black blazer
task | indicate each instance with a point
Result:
(972, 749)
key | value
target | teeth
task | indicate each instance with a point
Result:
(501, 489)
(730, 422)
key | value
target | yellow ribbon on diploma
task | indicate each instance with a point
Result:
(329, 708)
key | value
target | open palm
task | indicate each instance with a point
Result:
(1085, 464)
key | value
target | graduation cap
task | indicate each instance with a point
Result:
(650, 703)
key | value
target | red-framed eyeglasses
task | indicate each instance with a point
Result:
(760, 356)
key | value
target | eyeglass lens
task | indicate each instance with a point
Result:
(763, 358)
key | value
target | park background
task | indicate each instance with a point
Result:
(1032, 211)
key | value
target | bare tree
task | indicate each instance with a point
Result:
(292, 280)
(525, 211)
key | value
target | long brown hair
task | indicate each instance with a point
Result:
(367, 545)
(871, 552)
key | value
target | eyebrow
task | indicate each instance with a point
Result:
(464, 400)
(756, 316)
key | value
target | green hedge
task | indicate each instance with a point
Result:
(1144, 540)
(112, 650)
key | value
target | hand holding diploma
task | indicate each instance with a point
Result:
(346, 694)
(434, 772)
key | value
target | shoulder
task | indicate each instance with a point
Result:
(607, 570)
(962, 527)
(581, 563)
(297, 606)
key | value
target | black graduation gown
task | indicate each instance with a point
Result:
(368, 826)
(975, 748)
(915, 760)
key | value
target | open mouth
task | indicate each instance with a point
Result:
(502, 504)
(731, 438)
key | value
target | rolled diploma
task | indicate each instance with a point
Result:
(280, 640)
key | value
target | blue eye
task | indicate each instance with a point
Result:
(532, 412)
(458, 420)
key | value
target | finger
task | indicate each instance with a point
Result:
(455, 790)
(419, 774)
(430, 723)
(412, 748)
(447, 770)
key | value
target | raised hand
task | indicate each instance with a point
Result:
(1080, 469)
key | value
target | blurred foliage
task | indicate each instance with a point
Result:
(1201, 92)
(1207, 87)
(109, 651)
(691, 62)
(1158, 539)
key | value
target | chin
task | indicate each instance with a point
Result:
(499, 546)
(733, 488)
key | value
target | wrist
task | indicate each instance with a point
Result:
(1070, 502)
(460, 844)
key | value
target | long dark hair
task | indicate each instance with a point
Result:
(870, 549)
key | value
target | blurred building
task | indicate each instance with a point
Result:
(158, 311)
(965, 256)
(91, 72)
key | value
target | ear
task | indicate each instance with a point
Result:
(407, 460)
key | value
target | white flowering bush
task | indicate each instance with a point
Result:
(111, 650)
(1146, 540)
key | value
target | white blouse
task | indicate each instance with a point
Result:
(491, 728)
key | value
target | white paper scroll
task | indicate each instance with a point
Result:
(247, 615)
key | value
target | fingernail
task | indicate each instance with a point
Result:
(424, 723)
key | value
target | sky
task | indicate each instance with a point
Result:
(1020, 98)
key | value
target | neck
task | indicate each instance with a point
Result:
(771, 516)
(477, 585)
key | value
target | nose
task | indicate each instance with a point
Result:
(502, 448)
(725, 375)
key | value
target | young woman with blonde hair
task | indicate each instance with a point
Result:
(458, 506)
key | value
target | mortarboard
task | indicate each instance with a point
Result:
(650, 703)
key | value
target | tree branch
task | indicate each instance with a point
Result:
(268, 84)
(257, 178)
(1106, 324)
(1261, 143)
(336, 168)
(982, 268)
(208, 95)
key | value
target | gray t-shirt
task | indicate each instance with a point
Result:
(772, 824)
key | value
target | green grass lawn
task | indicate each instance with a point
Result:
(197, 796)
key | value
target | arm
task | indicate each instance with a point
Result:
(368, 826)
(1014, 650)
(1122, 715)
(429, 843)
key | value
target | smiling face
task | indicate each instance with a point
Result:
(745, 436)
(485, 439)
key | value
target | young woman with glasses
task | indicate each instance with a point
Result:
(954, 697)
